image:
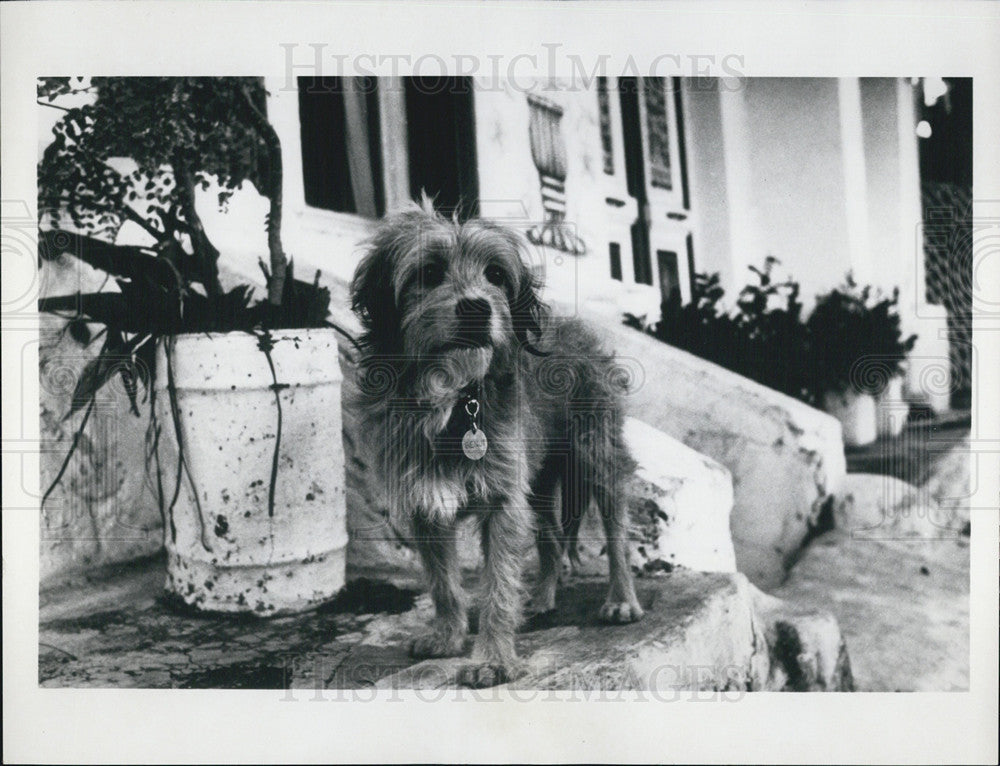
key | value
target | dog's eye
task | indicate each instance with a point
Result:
(431, 275)
(495, 275)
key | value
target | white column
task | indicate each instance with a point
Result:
(744, 236)
(392, 126)
(929, 376)
(855, 186)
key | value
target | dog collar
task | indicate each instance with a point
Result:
(474, 442)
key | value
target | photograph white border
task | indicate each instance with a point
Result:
(229, 38)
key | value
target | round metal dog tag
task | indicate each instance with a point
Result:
(474, 444)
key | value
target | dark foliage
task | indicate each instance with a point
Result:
(765, 338)
(169, 127)
(858, 339)
(772, 340)
(179, 132)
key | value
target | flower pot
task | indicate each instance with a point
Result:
(856, 413)
(891, 409)
(251, 530)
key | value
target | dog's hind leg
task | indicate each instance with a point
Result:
(600, 463)
(550, 553)
(506, 536)
(622, 605)
(575, 502)
(545, 500)
(436, 543)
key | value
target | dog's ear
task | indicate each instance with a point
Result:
(372, 297)
(528, 312)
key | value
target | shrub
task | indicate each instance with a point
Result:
(764, 339)
(852, 338)
(857, 340)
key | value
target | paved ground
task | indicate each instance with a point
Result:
(913, 455)
(899, 585)
(117, 629)
(903, 609)
(704, 631)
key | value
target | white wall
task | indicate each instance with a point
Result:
(509, 189)
(781, 189)
(895, 232)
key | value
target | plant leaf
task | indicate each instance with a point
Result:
(92, 377)
(117, 260)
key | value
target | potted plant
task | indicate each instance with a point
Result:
(857, 360)
(245, 445)
(764, 339)
(771, 336)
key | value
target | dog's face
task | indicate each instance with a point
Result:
(434, 290)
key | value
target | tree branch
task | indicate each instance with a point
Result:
(275, 177)
(205, 252)
(131, 214)
(52, 106)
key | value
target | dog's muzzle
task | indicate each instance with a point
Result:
(475, 316)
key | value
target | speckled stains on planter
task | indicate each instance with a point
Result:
(226, 551)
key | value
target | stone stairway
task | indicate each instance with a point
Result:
(702, 631)
(707, 627)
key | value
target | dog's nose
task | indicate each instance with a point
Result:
(473, 309)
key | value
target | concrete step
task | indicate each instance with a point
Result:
(786, 458)
(702, 631)
(896, 566)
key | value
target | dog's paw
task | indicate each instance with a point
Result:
(437, 644)
(480, 675)
(542, 600)
(620, 612)
(536, 608)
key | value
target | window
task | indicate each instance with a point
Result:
(604, 110)
(670, 280)
(658, 132)
(341, 148)
(641, 266)
(615, 252)
(440, 127)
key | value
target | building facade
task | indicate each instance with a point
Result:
(628, 186)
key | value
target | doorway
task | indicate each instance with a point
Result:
(441, 138)
(652, 136)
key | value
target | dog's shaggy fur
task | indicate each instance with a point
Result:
(451, 312)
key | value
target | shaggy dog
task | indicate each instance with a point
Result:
(478, 403)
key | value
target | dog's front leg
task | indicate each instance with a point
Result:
(506, 538)
(436, 543)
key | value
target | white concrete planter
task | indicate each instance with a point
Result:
(230, 547)
(856, 413)
(891, 409)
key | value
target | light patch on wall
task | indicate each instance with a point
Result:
(934, 88)
(924, 129)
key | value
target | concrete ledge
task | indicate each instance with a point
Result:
(679, 503)
(786, 459)
(103, 509)
(701, 632)
(704, 631)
